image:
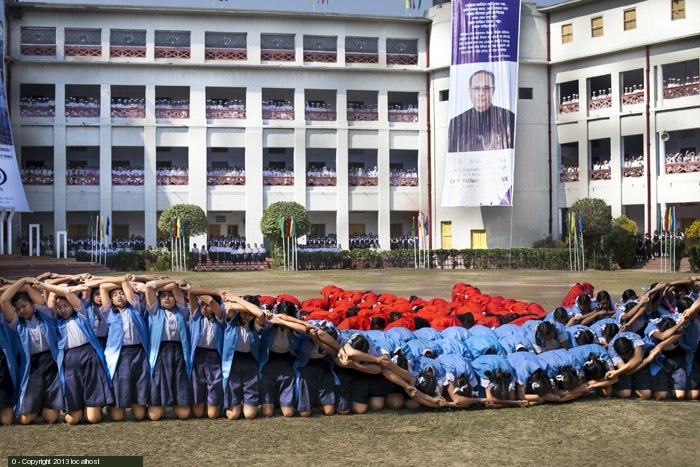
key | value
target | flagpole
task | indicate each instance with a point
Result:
(296, 253)
(284, 253)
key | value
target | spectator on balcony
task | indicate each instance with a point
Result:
(37, 176)
(37, 106)
(485, 126)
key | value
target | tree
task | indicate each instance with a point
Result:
(195, 219)
(693, 232)
(269, 224)
(597, 222)
(621, 241)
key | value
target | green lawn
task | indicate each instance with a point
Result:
(585, 432)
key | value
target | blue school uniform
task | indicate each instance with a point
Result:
(482, 344)
(374, 334)
(402, 334)
(637, 326)
(316, 379)
(456, 332)
(508, 330)
(98, 321)
(599, 325)
(456, 367)
(529, 325)
(556, 360)
(525, 364)
(206, 344)
(126, 355)
(516, 343)
(278, 352)
(418, 347)
(583, 352)
(427, 333)
(573, 331)
(169, 356)
(82, 365)
(541, 346)
(486, 367)
(10, 354)
(40, 383)
(422, 364)
(454, 347)
(479, 330)
(640, 380)
(636, 342)
(240, 368)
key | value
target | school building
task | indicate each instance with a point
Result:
(123, 110)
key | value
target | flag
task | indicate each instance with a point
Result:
(426, 228)
(672, 221)
(91, 227)
(102, 227)
(294, 226)
(419, 2)
(580, 222)
(280, 222)
(107, 227)
(173, 228)
(182, 227)
(413, 228)
(667, 219)
(290, 227)
(407, 6)
(287, 221)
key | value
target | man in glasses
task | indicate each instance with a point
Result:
(484, 127)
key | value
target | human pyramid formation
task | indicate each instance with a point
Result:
(78, 344)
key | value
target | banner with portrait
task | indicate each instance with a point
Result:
(11, 191)
(479, 165)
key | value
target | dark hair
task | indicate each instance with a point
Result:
(603, 295)
(285, 308)
(567, 378)
(377, 323)
(420, 323)
(585, 337)
(500, 385)
(610, 330)
(657, 296)
(413, 298)
(683, 304)
(560, 315)
(395, 315)
(666, 323)
(539, 383)
(427, 384)
(254, 299)
(545, 328)
(623, 346)
(331, 331)
(399, 358)
(628, 295)
(304, 314)
(462, 386)
(358, 342)
(583, 300)
(352, 312)
(21, 296)
(93, 290)
(467, 320)
(594, 368)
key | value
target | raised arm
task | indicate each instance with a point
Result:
(631, 316)
(5, 300)
(64, 292)
(215, 307)
(630, 366)
(105, 289)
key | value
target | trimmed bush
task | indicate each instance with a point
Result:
(694, 256)
(142, 260)
(621, 241)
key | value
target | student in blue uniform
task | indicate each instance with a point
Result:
(627, 351)
(206, 340)
(9, 371)
(359, 360)
(240, 357)
(580, 335)
(382, 390)
(566, 373)
(460, 381)
(456, 332)
(484, 344)
(533, 383)
(605, 330)
(86, 383)
(548, 336)
(496, 382)
(596, 362)
(40, 385)
(126, 351)
(97, 319)
(169, 350)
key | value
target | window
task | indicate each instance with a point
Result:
(630, 19)
(567, 33)
(525, 93)
(597, 26)
(677, 9)
(444, 95)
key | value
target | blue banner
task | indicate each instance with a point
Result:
(479, 166)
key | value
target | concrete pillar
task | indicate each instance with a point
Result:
(342, 221)
(616, 163)
(106, 198)
(384, 208)
(150, 196)
(59, 175)
(300, 166)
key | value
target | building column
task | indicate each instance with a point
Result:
(616, 163)
(150, 190)
(253, 184)
(59, 159)
(106, 207)
(423, 143)
(384, 207)
(342, 216)
(300, 145)
(197, 152)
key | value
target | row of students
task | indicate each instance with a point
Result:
(149, 343)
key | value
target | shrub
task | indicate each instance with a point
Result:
(597, 222)
(548, 242)
(195, 220)
(620, 241)
(694, 256)
(693, 232)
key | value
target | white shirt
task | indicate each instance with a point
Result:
(208, 340)
(131, 337)
(243, 343)
(280, 344)
(37, 341)
(76, 338)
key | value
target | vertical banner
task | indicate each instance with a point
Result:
(11, 190)
(483, 97)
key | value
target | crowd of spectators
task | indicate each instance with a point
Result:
(568, 168)
(88, 175)
(370, 172)
(403, 109)
(633, 89)
(226, 175)
(172, 176)
(318, 107)
(231, 249)
(601, 94)
(37, 176)
(634, 161)
(679, 157)
(82, 107)
(572, 99)
(403, 242)
(127, 175)
(371, 108)
(88, 245)
(168, 103)
(317, 172)
(277, 176)
(128, 103)
(277, 105)
(675, 82)
(363, 241)
(224, 104)
(403, 177)
(314, 243)
(601, 165)
(37, 106)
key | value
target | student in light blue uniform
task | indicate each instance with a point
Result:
(479, 330)
(40, 385)
(533, 383)
(427, 333)
(548, 336)
(516, 343)
(10, 355)
(96, 317)
(605, 330)
(419, 347)
(454, 347)
(496, 381)
(169, 350)
(559, 315)
(566, 373)
(358, 363)
(484, 345)
(508, 330)
(596, 362)
(401, 334)
(580, 335)
(456, 332)
(460, 381)
(627, 352)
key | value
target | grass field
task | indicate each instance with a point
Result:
(585, 432)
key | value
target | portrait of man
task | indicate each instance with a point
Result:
(484, 127)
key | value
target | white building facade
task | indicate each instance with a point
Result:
(203, 101)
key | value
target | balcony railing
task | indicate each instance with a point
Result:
(687, 90)
(568, 176)
(568, 108)
(127, 112)
(403, 181)
(683, 167)
(353, 57)
(127, 52)
(603, 174)
(319, 56)
(82, 50)
(165, 180)
(599, 104)
(278, 115)
(363, 181)
(321, 115)
(225, 54)
(321, 181)
(37, 50)
(403, 117)
(215, 180)
(634, 98)
(226, 114)
(172, 112)
(37, 111)
(632, 172)
(124, 180)
(362, 116)
(82, 180)
(172, 52)
(37, 179)
(82, 111)
(278, 180)
(401, 59)
(278, 55)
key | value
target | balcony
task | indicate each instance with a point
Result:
(83, 176)
(678, 91)
(321, 181)
(37, 107)
(37, 176)
(355, 115)
(682, 167)
(278, 114)
(38, 42)
(361, 50)
(402, 52)
(600, 103)
(82, 108)
(403, 181)
(568, 176)
(127, 110)
(225, 46)
(363, 181)
(226, 180)
(165, 108)
(169, 180)
(403, 115)
(569, 107)
(277, 48)
(603, 174)
(320, 115)
(83, 43)
(633, 98)
(127, 176)
(226, 114)
(286, 180)
(632, 172)
(127, 44)
(172, 44)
